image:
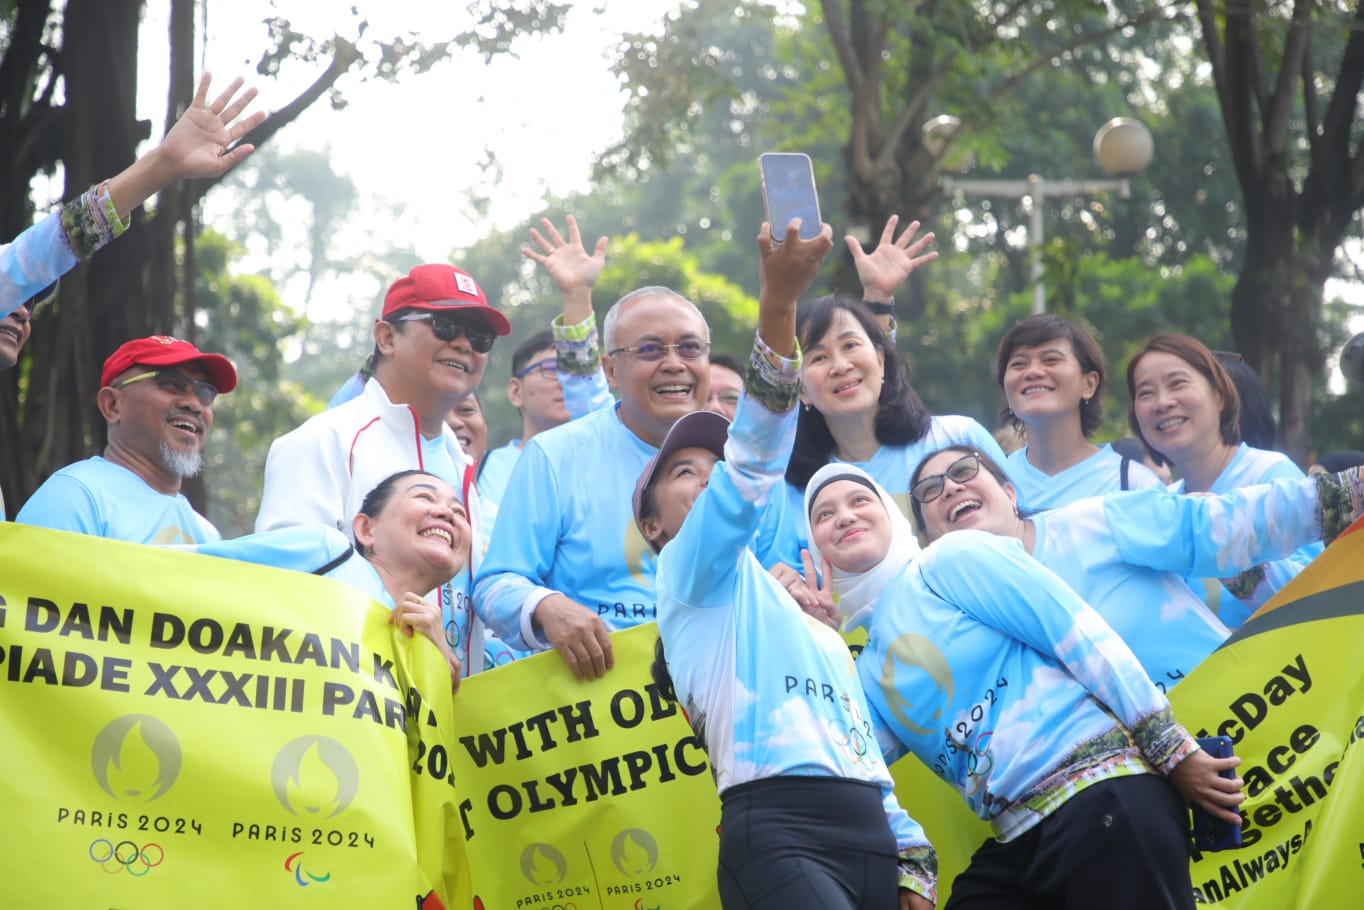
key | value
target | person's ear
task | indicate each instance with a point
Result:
(514, 392)
(608, 365)
(109, 405)
(362, 528)
(1090, 385)
(652, 529)
(384, 333)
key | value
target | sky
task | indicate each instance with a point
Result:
(545, 116)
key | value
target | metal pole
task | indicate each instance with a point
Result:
(1037, 197)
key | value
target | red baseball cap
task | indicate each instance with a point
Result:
(440, 288)
(165, 351)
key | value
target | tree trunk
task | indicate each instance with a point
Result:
(99, 304)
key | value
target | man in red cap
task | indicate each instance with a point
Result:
(431, 345)
(156, 394)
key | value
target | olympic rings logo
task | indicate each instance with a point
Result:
(977, 755)
(115, 858)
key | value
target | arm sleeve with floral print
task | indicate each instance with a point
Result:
(52, 247)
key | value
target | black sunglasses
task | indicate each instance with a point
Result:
(930, 488)
(448, 328)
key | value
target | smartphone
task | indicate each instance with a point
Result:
(1211, 834)
(789, 192)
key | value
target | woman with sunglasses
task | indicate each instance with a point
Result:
(1186, 409)
(858, 406)
(1052, 373)
(1127, 554)
(1005, 684)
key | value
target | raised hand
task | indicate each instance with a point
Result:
(199, 142)
(567, 261)
(885, 268)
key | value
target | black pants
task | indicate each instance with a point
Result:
(1122, 843)
(788, 843)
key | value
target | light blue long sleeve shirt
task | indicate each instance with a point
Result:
(1096, 475)
(1005, 684)
(1251, 466)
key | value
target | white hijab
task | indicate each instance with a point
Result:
(856, 592)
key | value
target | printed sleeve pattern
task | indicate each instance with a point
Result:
(772, 380)
(917, 868)
(90, 221)
(577, 346)
(1340, 499)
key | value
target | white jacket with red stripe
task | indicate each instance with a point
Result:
(321, 472)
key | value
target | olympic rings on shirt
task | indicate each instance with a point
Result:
(115, 858)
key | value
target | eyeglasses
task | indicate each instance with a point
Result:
(1229, 355)
(173, 382)
(547, 367)
(930, 488)
(448, 328)
(651, 351)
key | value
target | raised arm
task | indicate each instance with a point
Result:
(196, 146)
(885, 268)
(575, 272)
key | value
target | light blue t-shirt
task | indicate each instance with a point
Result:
(773, 691)
(1001, 680)
(103, 499)
(1098, 474)
(1250, 466)
(1126, 554)
(565, 525)
(492, 482)
(781, 533)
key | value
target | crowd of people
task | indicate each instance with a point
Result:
(1026, 613)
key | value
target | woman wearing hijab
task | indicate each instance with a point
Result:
(1005, 684)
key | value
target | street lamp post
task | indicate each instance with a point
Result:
(1123, 147)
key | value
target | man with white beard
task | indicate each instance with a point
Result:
(156, 394)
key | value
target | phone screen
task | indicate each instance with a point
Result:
(789, 192)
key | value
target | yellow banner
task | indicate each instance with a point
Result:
(183, 729)
(179, 727)
(1288, 689)
(583, 795)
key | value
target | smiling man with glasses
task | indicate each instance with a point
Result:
(431, 344)
(156, 395)
(568, 564)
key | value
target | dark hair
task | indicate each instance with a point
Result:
(901, 417)
(1343, 460)
(541, 340)
(1255, 418)
(377, 499)
(1130, 447)
(1196, 354)
(729, 362)
(1038, 330)
(663, 680)
(986, 462)
(648, 508)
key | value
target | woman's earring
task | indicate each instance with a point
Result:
(806, 406)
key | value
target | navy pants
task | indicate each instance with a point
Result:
(788, 843)
(1122, 843)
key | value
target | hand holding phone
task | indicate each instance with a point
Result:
(1210, 833)
(788, 182)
